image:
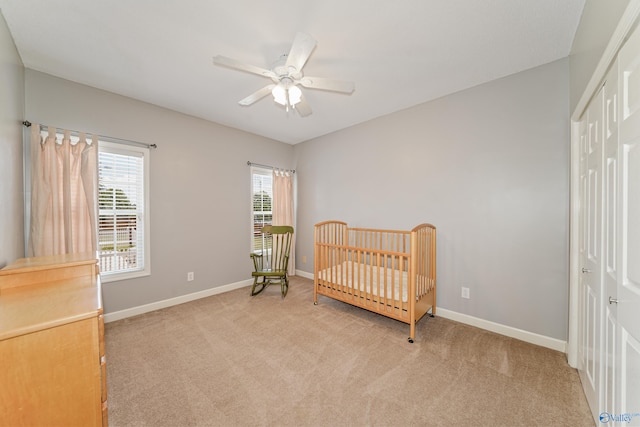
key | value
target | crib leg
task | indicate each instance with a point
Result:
(412, 331)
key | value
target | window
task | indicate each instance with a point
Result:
(123, 232)
(262, 195)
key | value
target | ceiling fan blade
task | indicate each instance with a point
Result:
(303, 45)
(303, 107)
(232, 63)
(327, 84)
(257, 95)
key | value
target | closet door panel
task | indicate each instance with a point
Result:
(610, 379)
(591, 260)
(628, 289)
(629, 147)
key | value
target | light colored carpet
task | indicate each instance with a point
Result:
(232, 359)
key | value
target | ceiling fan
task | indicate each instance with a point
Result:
(287, 76)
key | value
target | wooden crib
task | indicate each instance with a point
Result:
(389, 272)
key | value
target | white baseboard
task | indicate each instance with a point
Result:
(141, 309)
(530, 337)
(304, 274)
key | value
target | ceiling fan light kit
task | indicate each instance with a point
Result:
(287, 94)
(286, 75)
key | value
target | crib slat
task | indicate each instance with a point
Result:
(378, 260)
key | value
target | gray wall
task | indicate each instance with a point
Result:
(200, 185)
(11, 116)
(488, 167)
(597, 24)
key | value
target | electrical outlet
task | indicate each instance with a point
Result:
(190, 276)
(465, 293)
(304, 259)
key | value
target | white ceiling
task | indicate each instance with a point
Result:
(398, 53)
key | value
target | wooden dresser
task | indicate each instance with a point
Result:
(52, 357)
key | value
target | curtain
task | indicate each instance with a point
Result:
(64, 188)
(282, 208)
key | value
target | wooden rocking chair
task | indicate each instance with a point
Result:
(271, 263)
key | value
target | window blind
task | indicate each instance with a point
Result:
(121, 204)
(262, 197)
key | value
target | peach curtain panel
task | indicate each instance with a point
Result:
(64, 189)
(282, 208)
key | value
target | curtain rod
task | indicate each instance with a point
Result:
(268, 167)
(27, 123)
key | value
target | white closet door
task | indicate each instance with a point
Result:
(610, 332)
(591, 257)
(628, 289)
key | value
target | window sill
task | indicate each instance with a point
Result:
(117, 277)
